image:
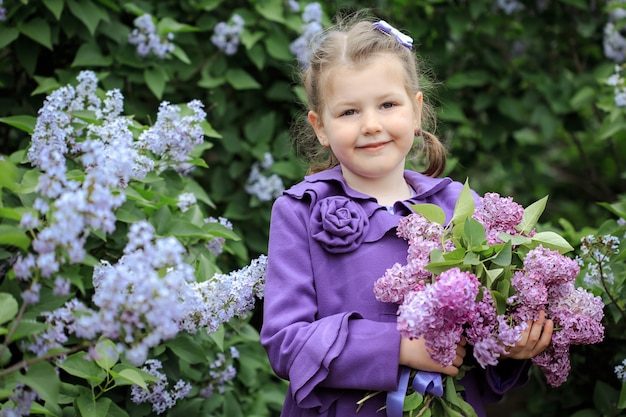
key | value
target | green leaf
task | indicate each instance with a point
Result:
(187, 349)
(81, 366)
(500, 301)
(8, 175)
(432, 212)
(504, 255)
(27, 328)
(7, 36)
(465, 79)
(271, 10)
(475, 235)
(89, 407)
(88, 13)
(129, 376)
(42, 378)
(38, 30)
(277, 45)
(532, 214)
(552, 241)
(89, 55)
(241, 80)
(492, 275)
(179, 53)
(8, 307)
(156, 79)
(464, 207)
(218, 337)
(413, 401)
(14, 236)
(621, 403)
(55, 7)
(25, 123)
(604, 398)
(45, 85)
(107, 354)
(588, 412)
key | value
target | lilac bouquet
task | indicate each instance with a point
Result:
(483, 276)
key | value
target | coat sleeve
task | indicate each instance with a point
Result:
(336, 351)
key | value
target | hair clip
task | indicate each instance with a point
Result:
(404, 40)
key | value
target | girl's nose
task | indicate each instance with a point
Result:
(371, 123)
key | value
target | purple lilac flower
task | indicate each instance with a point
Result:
(147, 40)
(3, 11)
(439, 311)
(293, 6)
(509, 6)
(498, 215)
(226, 36)
(31, 295)
(157, 393)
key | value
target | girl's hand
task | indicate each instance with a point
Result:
(414, 354)
(534, 340)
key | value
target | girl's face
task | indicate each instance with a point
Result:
(368, 119)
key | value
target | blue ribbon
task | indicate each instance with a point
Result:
(423, 382)
(404, 40)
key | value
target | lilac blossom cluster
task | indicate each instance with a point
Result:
(311, 28)
(443, 307)
(157, 393)
(619, 86)
(20, 402)
(3, 11)
(547, 283)
(227, 36)
(185, 201)
(224, 296)
(620, 371)
(110, 156)
(614, 41)
(216, 245)
(264, 187)
(221, 371)
(598, 250)
(150, 295)
(145, 37)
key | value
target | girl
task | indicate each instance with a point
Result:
(333, 235)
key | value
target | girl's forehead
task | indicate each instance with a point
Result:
(381, 69)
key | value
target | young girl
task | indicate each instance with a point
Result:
(333, 235)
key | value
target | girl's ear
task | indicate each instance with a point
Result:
(419, 98)
(318, 127)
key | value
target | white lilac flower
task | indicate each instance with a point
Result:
(185, 201)
(620, 371)
(509, 6)
(614, 41)
(293, 5)
(226, 37)
(173, 135)
(157, 393)
(216, 245)
(225, 296)
(311, 28)
(20, 402)
(264, 188)
(145, 37)
(221, 371)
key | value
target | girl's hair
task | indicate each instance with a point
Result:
(353, 43)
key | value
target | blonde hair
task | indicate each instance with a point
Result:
(354, 42)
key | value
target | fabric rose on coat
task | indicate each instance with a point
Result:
(339, 224)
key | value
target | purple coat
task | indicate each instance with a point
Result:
(323, 328)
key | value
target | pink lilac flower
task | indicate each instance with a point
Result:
(499, 215)
(439, 311)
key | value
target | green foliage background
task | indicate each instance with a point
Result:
(522, 103)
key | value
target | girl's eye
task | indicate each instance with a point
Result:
(348, 113)
(388, 105)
